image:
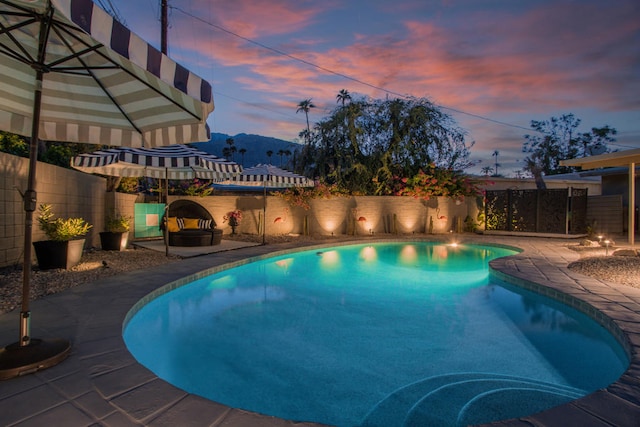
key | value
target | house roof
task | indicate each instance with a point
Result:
(619, 158)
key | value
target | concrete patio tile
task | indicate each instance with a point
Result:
(239, 418)
(148, 399)
(121, 380)
(600, 404)
(118, 419)
(191, 411)
(63, 415)
(566, 416)
(94, 404)
(24, 405)
(108, 362)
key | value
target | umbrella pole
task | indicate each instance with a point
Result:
(264, 211)
(166, 212)
(30, 355)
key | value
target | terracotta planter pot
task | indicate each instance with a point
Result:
(53, 254)
(114, 241)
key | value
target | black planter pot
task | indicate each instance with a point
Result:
(114, 241)
(53, 254)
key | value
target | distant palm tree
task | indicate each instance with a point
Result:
(269, 154)
(487, 170)
(287, 153)
(242, 152)
(232, 148)
(280, 153)
(305, 106)
(496, 153)
(343, 96)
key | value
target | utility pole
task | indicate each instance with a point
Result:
(164, 23)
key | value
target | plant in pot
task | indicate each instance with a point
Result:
(116, 234)
(66, 240)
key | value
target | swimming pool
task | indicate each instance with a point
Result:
(378, 334)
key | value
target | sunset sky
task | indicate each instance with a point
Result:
(493, 65)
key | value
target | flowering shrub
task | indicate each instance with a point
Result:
(438, 182)
(196, 187)
(234, 217)
(300, 197)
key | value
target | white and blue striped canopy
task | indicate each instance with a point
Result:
(102, 84)
(268, 176)
(172, 162)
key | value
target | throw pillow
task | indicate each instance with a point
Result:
(191, 224)
(172, 224)
(204, 224)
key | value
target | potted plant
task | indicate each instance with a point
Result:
(116, 234)
(234, 218)
(66, 243)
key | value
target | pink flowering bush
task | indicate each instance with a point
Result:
(435, 182)
(300, 196)
(234, 217)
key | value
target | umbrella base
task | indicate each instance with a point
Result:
(16, 360)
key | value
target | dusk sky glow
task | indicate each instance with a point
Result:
(507, 61)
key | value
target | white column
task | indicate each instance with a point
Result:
(632, 202)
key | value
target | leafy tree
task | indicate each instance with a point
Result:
(363, 145)
(558, 139)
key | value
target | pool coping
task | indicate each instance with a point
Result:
(100, 383)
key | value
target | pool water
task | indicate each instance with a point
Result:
(374, 335)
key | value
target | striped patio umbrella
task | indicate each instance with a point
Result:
(70, 72)
(267, 176)
(172, 162)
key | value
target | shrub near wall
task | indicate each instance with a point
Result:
(71, 194)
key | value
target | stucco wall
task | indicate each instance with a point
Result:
(71, 193)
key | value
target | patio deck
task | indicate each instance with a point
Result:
(102, 384)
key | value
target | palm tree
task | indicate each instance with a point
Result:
(232, 148)
(343, 96)
(242, 152)
(280, 153)
(486, 170)
(269, 154)
(496, 153)
(305, 106)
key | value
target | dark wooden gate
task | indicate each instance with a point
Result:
(559, 211)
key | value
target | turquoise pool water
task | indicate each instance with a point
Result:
(374, 335)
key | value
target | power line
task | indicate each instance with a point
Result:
(339, 74)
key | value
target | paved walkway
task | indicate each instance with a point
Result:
(100, 384)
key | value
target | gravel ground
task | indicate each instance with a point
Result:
(612, 265)
(97, 264)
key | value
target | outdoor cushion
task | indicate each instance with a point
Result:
(172, 224)
(204, 224)
(191, 224)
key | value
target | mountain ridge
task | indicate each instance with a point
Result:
(256, 146)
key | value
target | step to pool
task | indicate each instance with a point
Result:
(444, 399)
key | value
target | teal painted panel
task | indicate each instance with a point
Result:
(147, 218)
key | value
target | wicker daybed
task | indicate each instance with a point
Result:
(190, 224)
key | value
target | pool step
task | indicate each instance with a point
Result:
(446, 399)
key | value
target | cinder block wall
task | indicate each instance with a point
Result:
(358, 215)
(71, 193)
